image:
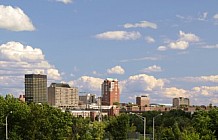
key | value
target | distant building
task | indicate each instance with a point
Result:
(110, 91)
(181, 101)
(87, 99)
(62, 95)
(36, 88)
(142, 101)
(22, 98)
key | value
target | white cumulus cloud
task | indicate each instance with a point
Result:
(119, 35)
(153, 68)
(189, 37)
(16, 60)
(142, 24)
(87, 84)
(15, 51)
(174, 92)
(65, 1)
(182, 43)
(142, 83)
(116, 70)
(179, 45)
(14, 19)
(206, 90)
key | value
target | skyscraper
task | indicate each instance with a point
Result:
(110, 91)
(62, 95)
(36, 88)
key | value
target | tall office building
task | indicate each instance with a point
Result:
(181, 101)
(110, 91)
(143, 101)
(36, 88)
(62, 95)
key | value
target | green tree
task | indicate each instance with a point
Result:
(81, 129)
(97, 130)
(201, 123)
(190, 134)
(118, 127)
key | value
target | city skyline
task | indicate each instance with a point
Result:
(161, 49)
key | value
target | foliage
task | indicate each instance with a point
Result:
(41, 121)
(119, 127)
(33, 121)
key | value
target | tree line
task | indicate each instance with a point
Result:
(43, 122)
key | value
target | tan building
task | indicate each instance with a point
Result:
(36, 88)
(110, 91)
(22, 98)
(181, 101)
(143, 101)
(86, 99)
(62, 95)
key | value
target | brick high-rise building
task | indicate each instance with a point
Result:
(35, 88)
(143, 101)
(62, 95)
(110, 92)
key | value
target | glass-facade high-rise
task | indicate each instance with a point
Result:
(36, 88)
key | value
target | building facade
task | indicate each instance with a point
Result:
(62, 95)
(110, 92)
(181, 101)
(87, 98)
(143, 101)
(36, 88)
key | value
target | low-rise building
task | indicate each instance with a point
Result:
(86, 99)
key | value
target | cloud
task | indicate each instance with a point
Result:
(189, 37)
(182, 43)
(119, 35)
(215, 16)
(151, 58)
(142, 83)
(203, 16)
(162, 48)
(199, 17)
(211, 46)
(88, 84)
(210, 78)
(151, 69)
(15, 51)
(142, 24)
(116, 70)
(14, 19)
(178, 45)
(155, 88)
(16, 60)
(205, 90)
(65, 1)
(174, 92)
(149, 39)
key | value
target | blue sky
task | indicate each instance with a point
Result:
(163, 49)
